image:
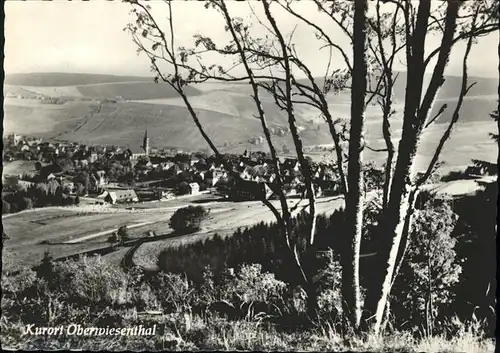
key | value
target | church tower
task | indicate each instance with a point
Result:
(145, 143)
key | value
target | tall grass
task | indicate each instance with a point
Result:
(188, 319)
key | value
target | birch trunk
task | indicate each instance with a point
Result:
(354, 201)
(305, 167)
(285, 219)
(400, 202)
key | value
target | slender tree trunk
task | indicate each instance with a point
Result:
(304, 164)
(354, 201)
(405, 243)
(429, 297)
(400, 204)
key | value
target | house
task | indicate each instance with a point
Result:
(247, 173)
(200, 175)
(291, 164)
(250, 190)
(329, 187)
(97, 180)
(25, 183)
(325, 172)
(14, 139)
(487, 168)
(294, 180)
(175, 170)
(269, 178)
(194, 188)
(201, 166)
(136, 156)
(318, 190)
(475, 171)
(212, 177)
(68, 184)
(290, 191)
(165, 195)
(84, 163)
(256, 178)
(184, 166)
(214, 166)
(121, 196)
(164, 166)
(93, 157)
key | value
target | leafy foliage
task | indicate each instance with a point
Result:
(427, 278)
(188, 219)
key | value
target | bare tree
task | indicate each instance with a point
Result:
(148, 27)
(395, 31)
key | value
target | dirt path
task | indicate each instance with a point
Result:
(109, 231)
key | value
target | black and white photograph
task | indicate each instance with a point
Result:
(273, 175)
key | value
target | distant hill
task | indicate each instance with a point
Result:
(226, 110)
(90, 86)
(54, 79)
(132, 90)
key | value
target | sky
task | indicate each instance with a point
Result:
(88, 37)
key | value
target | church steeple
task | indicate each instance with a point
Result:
(145, 143)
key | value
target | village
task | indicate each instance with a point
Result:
(116, 175)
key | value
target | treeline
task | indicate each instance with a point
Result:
(38, 195)
(262, 244)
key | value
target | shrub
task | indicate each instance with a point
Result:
(183, 188)
(25, 203)
(112, 238)
(374, 176)
(5, 207)
(329, 279)
(123, 233)
(252, 285)
(174, 292)
(88, 280)
(188, 219)
(426, 279)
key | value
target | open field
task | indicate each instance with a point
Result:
(89, 227)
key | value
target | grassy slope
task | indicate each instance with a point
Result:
(226, 110)
(131, 90)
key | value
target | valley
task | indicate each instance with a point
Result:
(114, 110)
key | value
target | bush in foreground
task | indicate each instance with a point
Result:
(179, 327)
